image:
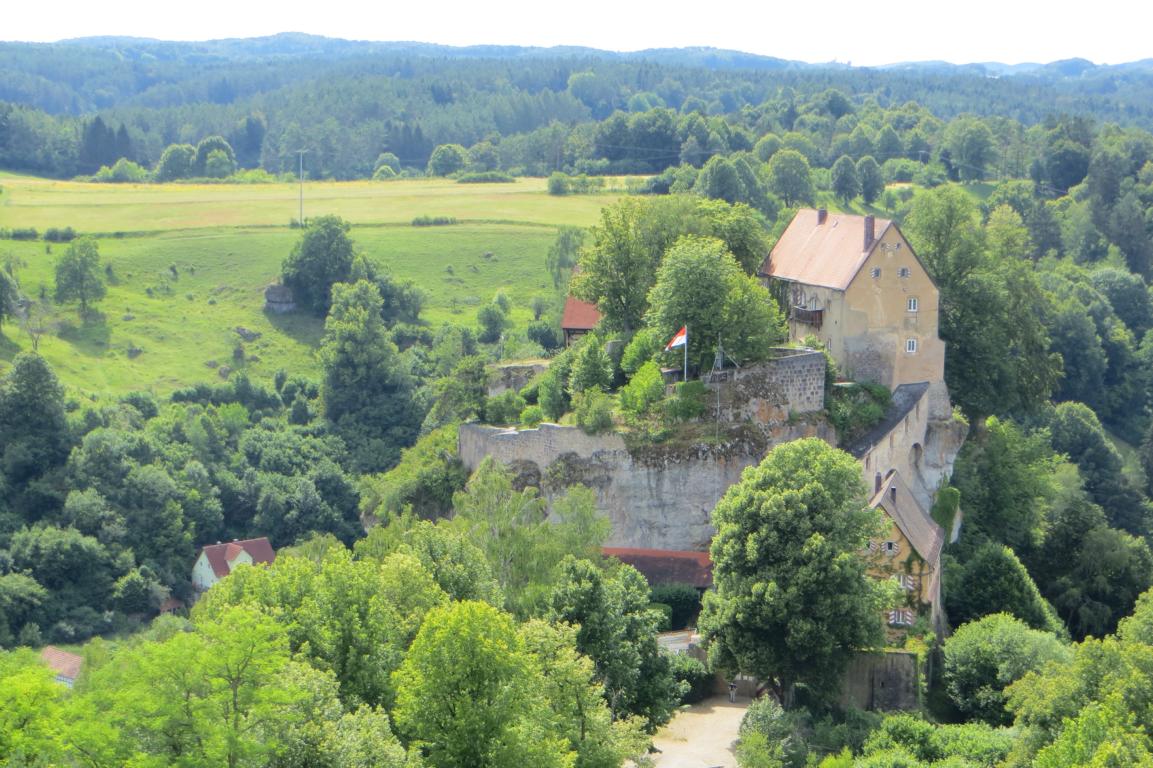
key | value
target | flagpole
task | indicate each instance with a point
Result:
(686, 370)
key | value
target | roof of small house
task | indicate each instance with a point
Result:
(828, 253)
(221, 555)
(63, 663)
(667, 566)
(898, 502)
(579, 315)
(904, 399)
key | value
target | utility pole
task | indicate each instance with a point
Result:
(300, 218)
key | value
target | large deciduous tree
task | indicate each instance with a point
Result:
(790, 177)
(78, 274)
(792, 600)
(468, 693)
(700, 284)
(323, 256)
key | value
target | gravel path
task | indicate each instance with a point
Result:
(701, 735)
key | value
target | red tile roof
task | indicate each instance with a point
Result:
(826, 252)
(667, 566)
(221, 555)
(579, 315)
(63, 663)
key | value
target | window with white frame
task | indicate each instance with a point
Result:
(911, 346)
(911, 304)
(906, 581)
(875, 272)
(890, 548)
(904, 272)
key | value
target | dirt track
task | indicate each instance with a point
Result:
(702, 735)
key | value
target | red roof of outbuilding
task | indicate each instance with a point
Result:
(579, 315)
(220, 555)
(667, 566)
(63, 663)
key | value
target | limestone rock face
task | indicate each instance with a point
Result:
(657, 497)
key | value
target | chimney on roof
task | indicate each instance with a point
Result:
(877, 482)
(869, 234)
(822, 216)
(893, 493)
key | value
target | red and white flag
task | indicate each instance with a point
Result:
(679, 340)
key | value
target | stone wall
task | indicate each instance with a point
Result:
(769, 392)
(657, 497)
(882, 681)
(512, 376)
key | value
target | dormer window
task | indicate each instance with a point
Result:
(875, 272)
(911, 304)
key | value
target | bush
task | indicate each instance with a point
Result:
(123, 172)
(544, 333)
(558, 184)
(433, 221)
(695, 674)
(54, 235)
(683, 599)
(486, 177)
(531, 416)
(492, 322)
(504, 408)
(687, 402)
(593, 411)
(641, 395)
(854, 408)
(26, 233)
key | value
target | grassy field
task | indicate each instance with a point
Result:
(189, 265)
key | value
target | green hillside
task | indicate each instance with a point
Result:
(189, 264)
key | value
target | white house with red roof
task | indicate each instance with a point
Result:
(218, 560)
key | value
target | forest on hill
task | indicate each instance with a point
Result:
(1027, 195)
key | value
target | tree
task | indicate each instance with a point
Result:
(323, 256)
(175, 163)
(78, 274)
(846, 182)
(792, 600)
(700, 284)
(32, 421)
(971, 146)
(468, 694)
(204, 152)
(790, 177)
(993, 580)
(563, 254)
(616, 628)
(447, 159)
(984, 657)
(872, 181)
(367, 394)
(9, 297)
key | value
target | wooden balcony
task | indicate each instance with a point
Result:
(813, 317)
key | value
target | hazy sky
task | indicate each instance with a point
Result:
(1010, 31)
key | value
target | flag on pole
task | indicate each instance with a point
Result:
(679, 340)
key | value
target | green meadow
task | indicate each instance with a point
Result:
(189, 264)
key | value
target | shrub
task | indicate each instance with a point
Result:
(646, 389)
(531, 416)
(695, 675)
(433, 221)
(593, 412)
(543, 333)
(558, 184)
(504, 408)
(55, 235)
(25, 233)
(492, 322)
(854, 408)
(687, 402)
(683, 599)
(486, 177)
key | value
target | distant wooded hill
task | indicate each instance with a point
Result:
(347, 102)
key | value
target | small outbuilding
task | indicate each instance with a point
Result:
(218, 560)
